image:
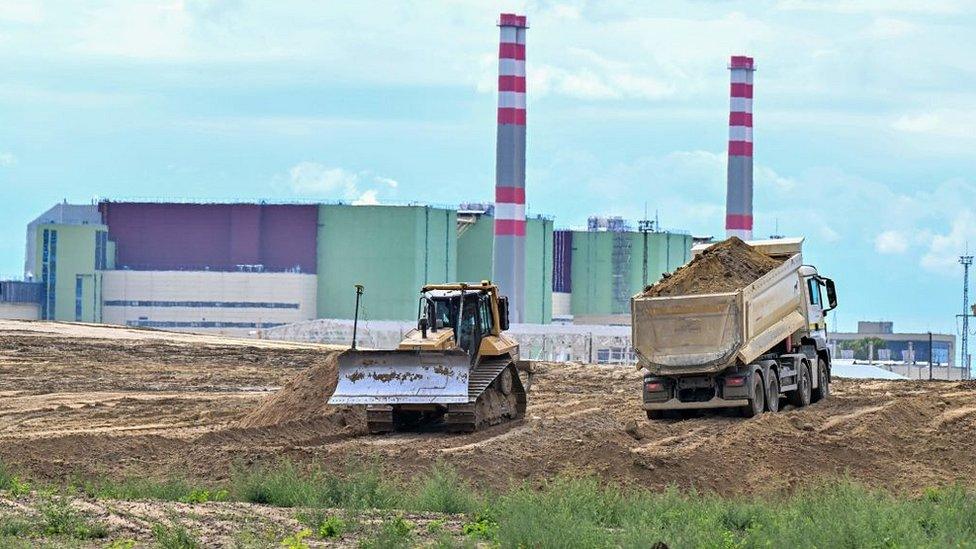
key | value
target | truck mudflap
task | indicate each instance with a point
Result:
(402, 377)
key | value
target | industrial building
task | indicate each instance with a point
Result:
(391, 250)
(877, 340)
(596, 271)
(237, 268)
(475, 226)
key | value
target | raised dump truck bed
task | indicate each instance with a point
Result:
(761, 342)
(707, 333)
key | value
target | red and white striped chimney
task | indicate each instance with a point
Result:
(509, 247)
(738, 200)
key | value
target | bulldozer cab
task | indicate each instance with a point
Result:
(468, 312)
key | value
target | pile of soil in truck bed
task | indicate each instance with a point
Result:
(724, 267)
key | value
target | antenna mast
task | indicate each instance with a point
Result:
(966, 261)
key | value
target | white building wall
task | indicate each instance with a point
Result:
(207, 301)
(562, 304)
(20, 311)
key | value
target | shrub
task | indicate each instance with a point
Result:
(394, 533)
(444, 491)
(59, 518)
(174, 536)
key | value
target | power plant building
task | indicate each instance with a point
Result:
(475, 257)
(391, 250)
(598, 270)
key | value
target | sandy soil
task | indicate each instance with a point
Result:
(75, 404)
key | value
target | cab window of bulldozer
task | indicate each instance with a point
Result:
(469, 322)
(485, 311)
(444, 313)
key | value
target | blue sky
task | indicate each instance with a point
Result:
(864, 118)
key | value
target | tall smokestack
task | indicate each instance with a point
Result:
(509, 250)
(738, 200)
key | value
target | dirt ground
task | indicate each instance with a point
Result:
(99, 400)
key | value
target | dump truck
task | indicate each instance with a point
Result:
(744, 349)
(456, 369)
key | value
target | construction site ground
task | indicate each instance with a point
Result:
(80, 400)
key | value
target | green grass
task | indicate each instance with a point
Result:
(564, 512)
(394, 533)
(174, 536)
(11, 483)
(287, 485)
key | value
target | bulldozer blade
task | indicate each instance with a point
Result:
(402, 377)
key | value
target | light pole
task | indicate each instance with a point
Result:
(355, 320)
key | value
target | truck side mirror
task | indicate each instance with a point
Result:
(503, 313)
(831, 294)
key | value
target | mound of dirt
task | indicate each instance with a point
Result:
(304, 397)
(724, 267)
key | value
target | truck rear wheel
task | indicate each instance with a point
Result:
(823, 383)
(801, 396)
(772, 395)
(758, 401)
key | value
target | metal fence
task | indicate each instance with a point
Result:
(549, 342)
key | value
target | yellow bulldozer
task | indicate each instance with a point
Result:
(456, 368)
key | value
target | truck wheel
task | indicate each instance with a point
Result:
(823, 384)
(655, 414)
(758, 401)
(772, 395)
(801, 396)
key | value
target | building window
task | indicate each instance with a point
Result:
(79, 287)
(49, 273)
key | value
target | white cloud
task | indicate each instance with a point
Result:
(891, 242)
(944, 123)
(15, 11)
(944, 249)
(314, 179)
(368, 198)
(7, 159)
(874, 6)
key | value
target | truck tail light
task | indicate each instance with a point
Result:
(653, 386)
(736, 381)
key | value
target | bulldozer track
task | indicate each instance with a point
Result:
(487, 404)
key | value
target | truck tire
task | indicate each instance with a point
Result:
(758, 401)
(801, 396)
(823, 383)
(772, 393)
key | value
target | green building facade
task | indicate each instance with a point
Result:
(475, 257)
(391, 250)
(70, 259)
(609, 267)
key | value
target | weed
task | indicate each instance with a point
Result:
(121, 544)
(286, 485)
(435, 526)
(203, 496)
(174, 536)
(322, 524)
(444, 491)
(394, 533)
(296, 540)
(12, 483)
(59, 518)
(484, 526)
(15, 527)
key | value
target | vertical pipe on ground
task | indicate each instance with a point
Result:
(738, 200)
(509, 244)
